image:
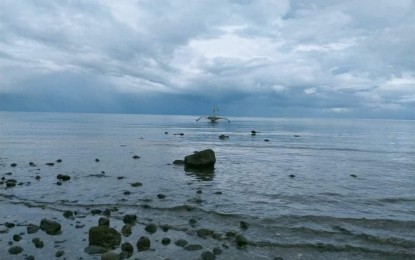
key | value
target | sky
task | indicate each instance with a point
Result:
(281, 58)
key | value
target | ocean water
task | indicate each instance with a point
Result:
(308, 188)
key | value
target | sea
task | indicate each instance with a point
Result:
(300, 188)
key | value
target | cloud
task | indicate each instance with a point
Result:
(279, 58)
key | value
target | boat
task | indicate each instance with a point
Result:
(213, 118)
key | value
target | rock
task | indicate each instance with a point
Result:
(104, 236)
(59, 160)
(136, 157)
(9, 225)
(110, 256)
(161, 196)
(151, 228)
(30, 257)
(223, 137)
(96, 211)
(230, 234)
(127, 247)
(217, 251)
(192, 221)
(353, 175)
(120, 177)
(59, 183)
(127, 192)
(63, 177)
(11, 183)
(253, 132)
(165, 241)
(266, 140)
(59, 253)
(50, 227)
(32, 164)
(50, 164)
(93, 250)
(291, 176)
(218, 193)
(96, 160)
(202, 159)
(178, 162)
(9, 173)
(38, 242)
(126, 230)
(105, 222)
(37, 177)
(278, 258)
(32, 229)
(136, 184)
(129, 219)
(15, 250)
(207, 255)
(165, 227)
(296, 135)
(68, 214)
(17, 237)
(243, 225)
(143, 243)
(241, 241)
(13, 165)
(203, 232)
(106, 212)
(181, 243)
(193, 247)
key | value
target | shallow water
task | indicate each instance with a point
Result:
(322, 213)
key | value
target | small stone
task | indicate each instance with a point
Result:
(143, 243)
(127, 250)
(199, 191)
(104, 236)
(218, 193)
(165, 241)
(63, 177)
(110, 256)
(50, 227)
(136, 157)
(120, 177)
(126, 230)
(96, 211)
(9, 173)
(105, 222)
(68, 214)
(165, 227)
(32, 164)
(136, 184)
(32, 229)
(37, 177)
(217, 251)
(266, 140)
(9, 225)
(107, 212)
(38, 242)
(161, 196)
(15, 250)
(151, 228)
(50, 164)
(11, 183)
(244, 225)
(127, 193)
(59, 253)
(353, 175)
(193, 247)
(241, 241)
(17, 238)
(291, 176)
(96, 160)
(253, 132)
(59, 160)
(203, 232)
(129, 219)
(59, 183)
(13, 165)
(181, 243)
(207, 255)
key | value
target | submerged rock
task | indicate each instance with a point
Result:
(165, 241)
(63, 177)
(143, 243)
(136, 157)
(110, 256)
(178, 162)
(151, 228)
(50, 227)
(207, 255)
(59, 253)
(32, 229)
(193, 247)
(50, 164)
(38, 242)
(181, 243)
(136, 184)
(202, 159)
(241, 241)
(105, 222)
(203, 232)
(93, 250)
(129, 219)
(15, 250)
(126, 230)
(103, 236)
(243, 225)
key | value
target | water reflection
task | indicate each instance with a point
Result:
(201, 174)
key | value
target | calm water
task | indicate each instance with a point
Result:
(352, 197)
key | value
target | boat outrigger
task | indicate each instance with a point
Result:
(213, 118)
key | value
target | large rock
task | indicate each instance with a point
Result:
(202, 159)
(104, 236)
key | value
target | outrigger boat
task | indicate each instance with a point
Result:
(213, 118)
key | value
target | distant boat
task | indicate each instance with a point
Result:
(213, 118)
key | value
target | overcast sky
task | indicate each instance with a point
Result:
(309, 58)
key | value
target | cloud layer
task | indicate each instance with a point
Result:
(262, 57)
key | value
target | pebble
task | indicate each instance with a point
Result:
(151, 228)
(15, 250)
(143, 243)
(181, 243)
(165, 241)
